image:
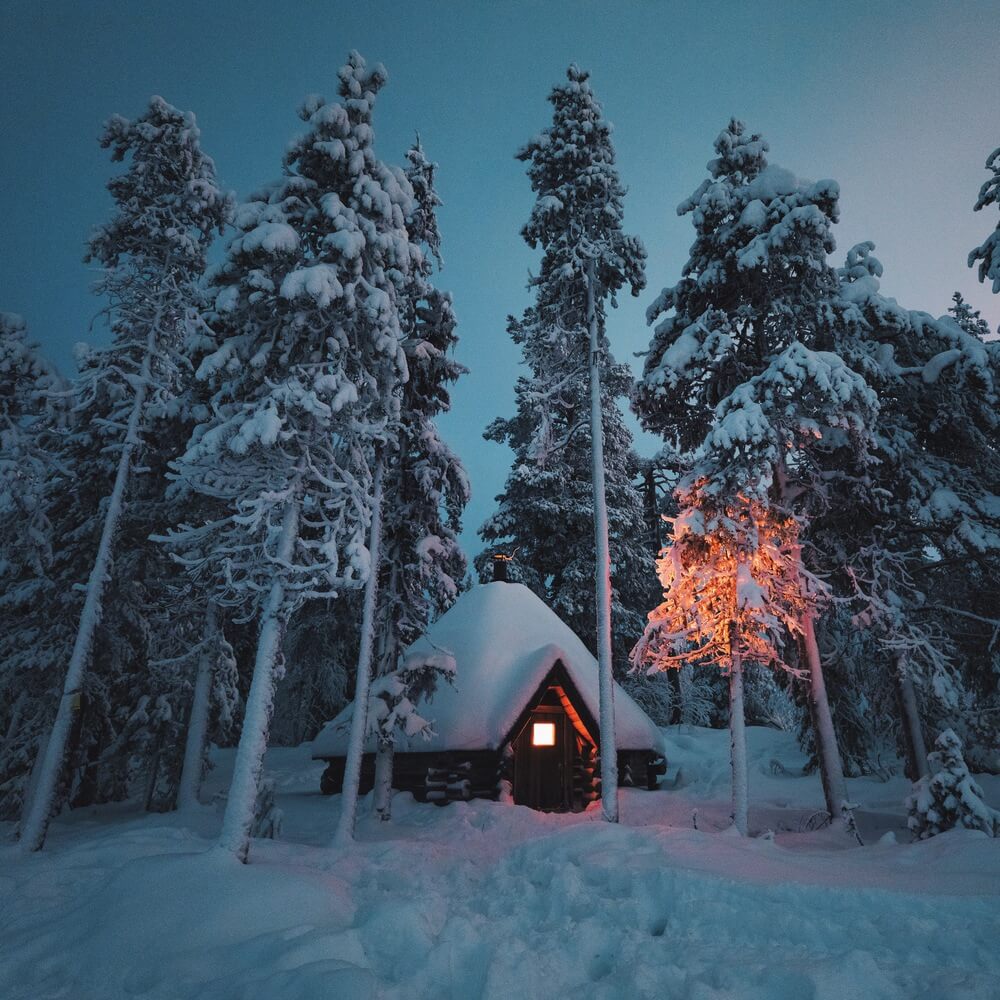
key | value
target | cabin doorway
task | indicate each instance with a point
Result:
(543, 760)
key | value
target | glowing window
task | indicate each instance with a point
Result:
(543, 734)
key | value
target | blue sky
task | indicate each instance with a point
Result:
(897, 102)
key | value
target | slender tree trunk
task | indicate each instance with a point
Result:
(40, 808)
(383, 779)
(684, 681)
(238, 819)
(385, 754)
(359, 720)
(36, 767)
(154, 769)
(197, 728)
(913, 734)
(831, 767)
(738, 747)
(15, 721)
(609, 746)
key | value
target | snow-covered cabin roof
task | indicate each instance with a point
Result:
(504, 640)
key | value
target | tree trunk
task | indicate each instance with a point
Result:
(738, 747)
(154, 771)
(913, 734)
(831, 767)
(15, 722)
(239, 816)
(359, 720)
(388, 659)
(40, 808)
(197, 729)
(609, 748)
(383, 780)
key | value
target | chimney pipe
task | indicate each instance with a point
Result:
(500, 567)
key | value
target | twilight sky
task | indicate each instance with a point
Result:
(897, 102)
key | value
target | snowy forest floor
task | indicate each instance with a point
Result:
(488, 900)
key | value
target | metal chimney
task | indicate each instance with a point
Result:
(500, 567)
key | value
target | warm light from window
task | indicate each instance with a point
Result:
(543, 734)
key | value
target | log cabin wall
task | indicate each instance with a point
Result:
(480, 774)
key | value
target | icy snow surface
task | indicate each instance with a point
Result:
(504, 639)
(484, 900)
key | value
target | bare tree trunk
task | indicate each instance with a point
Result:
(359, 720)
(386, 751)
(15, 721)
(39, 810)
(609, 746)
(913, 734)
(383, 780)
(197, 728)
(738, 747)
(238, 819)
(153, 773)
(831, 767)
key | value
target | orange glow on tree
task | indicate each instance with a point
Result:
(733, 585)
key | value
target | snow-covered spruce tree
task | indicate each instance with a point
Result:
(425, 493)
(949, 796)
(988, 254)
(741, 368)
(304, 383)
(921, 545)
(574, 467)
(168, 208)
(29, 418)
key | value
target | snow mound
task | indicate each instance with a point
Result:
(504, 640)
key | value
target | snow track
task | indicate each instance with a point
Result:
(481, 900)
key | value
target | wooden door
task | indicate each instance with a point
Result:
(543, 757)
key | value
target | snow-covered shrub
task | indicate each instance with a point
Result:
(655, 693)
(770, 704)
(950, 797)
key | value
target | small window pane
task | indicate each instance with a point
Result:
(543, 734)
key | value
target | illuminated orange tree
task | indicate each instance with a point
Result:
(733, 593)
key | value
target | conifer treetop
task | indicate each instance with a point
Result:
(756, 280)
(578, 213)
(169, 203)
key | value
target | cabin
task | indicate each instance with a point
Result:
(520, 721)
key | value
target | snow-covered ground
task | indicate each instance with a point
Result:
(489, 900)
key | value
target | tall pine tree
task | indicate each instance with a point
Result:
(168, 208)
(29, 420)
(570, 513)
(921, 543)
(742, 370)
(303, 385)
(423, 565)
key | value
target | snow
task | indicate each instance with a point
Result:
(932, 370)
(271, 237)
(683, 350)
(485, 901)
(318, 281)
(504, 640)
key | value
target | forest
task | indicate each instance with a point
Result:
(241, 511)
